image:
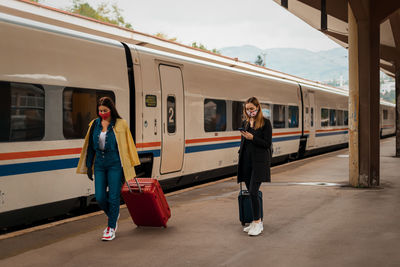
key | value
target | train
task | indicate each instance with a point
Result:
(184, 113)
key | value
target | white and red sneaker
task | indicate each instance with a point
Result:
(108, 234)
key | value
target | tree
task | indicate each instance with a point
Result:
(102, 13)
(203, 47)
(260, 61)
(164, 36)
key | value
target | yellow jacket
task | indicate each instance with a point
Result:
(126, 147)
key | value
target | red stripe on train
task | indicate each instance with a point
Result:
(331, 130)
(141, 145)
(55, 152)
(39, 153)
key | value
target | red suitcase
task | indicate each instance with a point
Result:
(146, 202)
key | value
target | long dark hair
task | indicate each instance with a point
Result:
(259, 119)
(108, 102)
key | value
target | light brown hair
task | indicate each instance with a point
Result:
(259, 119)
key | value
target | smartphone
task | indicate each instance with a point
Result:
(241, 129)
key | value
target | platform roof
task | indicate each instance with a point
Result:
(330, 17)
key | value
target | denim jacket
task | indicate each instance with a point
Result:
(94, 148)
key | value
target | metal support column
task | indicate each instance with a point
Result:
(364, 35)
(398, 111)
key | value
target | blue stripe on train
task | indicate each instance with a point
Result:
(48, 165)
(59, 164)
(285, 138)
(191, 149)
(327, 134)
(38, 166)
(155, 152)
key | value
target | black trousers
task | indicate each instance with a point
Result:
(253, 188)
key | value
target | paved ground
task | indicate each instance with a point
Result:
(304, 225)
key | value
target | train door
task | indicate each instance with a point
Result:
(311, 138)
(173, 140)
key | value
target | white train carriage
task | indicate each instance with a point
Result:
(326, 117)
(387, 118)
(50, 80)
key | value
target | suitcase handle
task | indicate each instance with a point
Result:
(137, 182)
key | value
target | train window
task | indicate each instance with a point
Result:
(391, 115)
(279, 114)
(266, 110)
(21, 112)
(237, 114)
(312, 117)
(340, 118)
(171, 125)
(385, 114)
(324, 117)
(346, 117)
(214, 115)
(79, 108)
(293, 118)
(332, 117)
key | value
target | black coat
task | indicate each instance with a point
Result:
(261, 154)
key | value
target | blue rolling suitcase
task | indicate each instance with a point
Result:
(245, 210)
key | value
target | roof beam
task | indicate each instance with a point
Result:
(360, 9)
(334, 8)
(388, 69)
(337, 9)
(394, 20)
(389, 54)
(384, 8)
(324, 16)
(340, 37)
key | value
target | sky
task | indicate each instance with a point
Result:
(218, 23)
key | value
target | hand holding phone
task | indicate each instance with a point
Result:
(241, 129)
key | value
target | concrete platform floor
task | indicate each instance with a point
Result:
(304, 225)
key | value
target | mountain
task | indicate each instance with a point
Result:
(329, 66)
(325, 66)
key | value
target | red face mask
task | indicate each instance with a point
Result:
(105, 115)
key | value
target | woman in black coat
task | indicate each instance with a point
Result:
(255, 158)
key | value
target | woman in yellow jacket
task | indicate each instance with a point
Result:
(110, 149)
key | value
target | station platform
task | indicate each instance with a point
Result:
(311, 218)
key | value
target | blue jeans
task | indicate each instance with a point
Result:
(108, 173)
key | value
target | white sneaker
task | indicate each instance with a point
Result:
(109, 234)
(257, 229)
(247, 229)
